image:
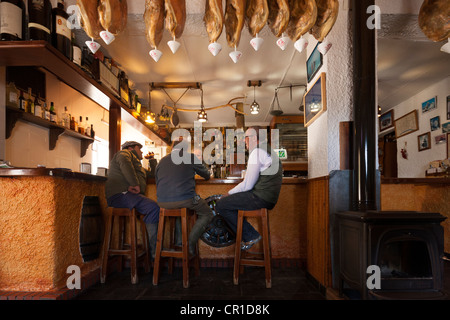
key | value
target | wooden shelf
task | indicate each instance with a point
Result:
(55, 130)
(42, 54)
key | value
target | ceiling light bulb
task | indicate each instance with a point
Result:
(202, 116)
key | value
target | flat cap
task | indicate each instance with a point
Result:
(131, 144)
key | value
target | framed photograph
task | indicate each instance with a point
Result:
(315, 100)
(446, 127)
(440, 139)
(406, 124)
(313, 63)
(429, 105)
(424, 141)
(386, 120)
(448, 107)
(435, 123)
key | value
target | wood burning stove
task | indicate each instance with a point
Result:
(406, 246)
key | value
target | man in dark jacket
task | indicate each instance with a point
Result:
(175, 187)
(126, 184)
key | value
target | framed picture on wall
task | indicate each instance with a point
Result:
(429, 105)
(406, 124)
(440, 139)
(315, 100)
(448, 107)
(424, 141)
(448, 145)
(446, 127)
(313, 63)
(435, 123)
(386, 120)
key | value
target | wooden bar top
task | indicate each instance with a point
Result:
(201, 181)
(54, 172)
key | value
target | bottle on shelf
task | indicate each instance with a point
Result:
(80, 126)
(46, 112)
(61, 33)
(12, 17)
(12, 95)
(37, 108)
(124, 89)
(92, 131)
(66, 118)
(40, 20)
(72, 123)
(52, 112)
(87, 130)
(28, 102)
(76, 51)
(22, 101)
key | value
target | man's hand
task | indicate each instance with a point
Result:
(134, 189)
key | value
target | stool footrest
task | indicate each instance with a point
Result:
(172, 253)
(252, 262)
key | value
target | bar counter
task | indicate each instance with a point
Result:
(287, 220)
(40, 218)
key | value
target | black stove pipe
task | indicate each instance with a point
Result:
(364, 108)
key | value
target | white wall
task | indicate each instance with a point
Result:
(417, 162)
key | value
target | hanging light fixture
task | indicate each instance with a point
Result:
(202, 116)
(254, 108)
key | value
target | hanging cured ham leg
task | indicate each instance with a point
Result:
(256, 16)
(90, 22)
(278, 20)
(175, 21)
(234, 22)
(214, 24)
(327, 12)
(113, 18)
(154, 25)
(434, 21)
(302, 19)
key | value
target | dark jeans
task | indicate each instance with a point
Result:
(143, 205)
(229, 206)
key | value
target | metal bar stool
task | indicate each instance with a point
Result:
(185, 215)
(240, 260)
(133, 249)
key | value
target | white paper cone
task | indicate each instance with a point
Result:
(301, 44)
(214, 48)
(107, 36)
(235, 55)
(155, 54)
(324, 47)
(283, 42)
(256, 43)
(446, 47)
(93, 46)
(173, 45)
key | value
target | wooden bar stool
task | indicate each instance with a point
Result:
(185, 215)
(239, 259)
(133, 249)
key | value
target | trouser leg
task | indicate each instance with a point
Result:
(152, 230)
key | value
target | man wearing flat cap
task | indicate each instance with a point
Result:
(126, 184)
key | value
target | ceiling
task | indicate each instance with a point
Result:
(401, 73)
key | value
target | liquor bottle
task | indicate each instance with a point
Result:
(87, 130)
(40, 20)
(37, 108)
(80, 126)
(46, 112)
(72, 123)
(52, 112)
(61, 33)
(12, 95)
(12, 17)
(22, 101)
(124, 89)
(66, 118)
(28, 102)
(76, 51)
(92, 131)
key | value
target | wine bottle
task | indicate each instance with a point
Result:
(76, 51)
(40, 20)
(66, 118)
(61, 33)
(12, 17)
(80, 126)
(72, 123)
(52, 112)
(46, 112)
(37, 108)
(92, 131)
(22, 101)
(87, 130)
(28, 102)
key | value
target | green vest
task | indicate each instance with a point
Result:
(269, 182)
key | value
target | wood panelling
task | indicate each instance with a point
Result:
(318, 254)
